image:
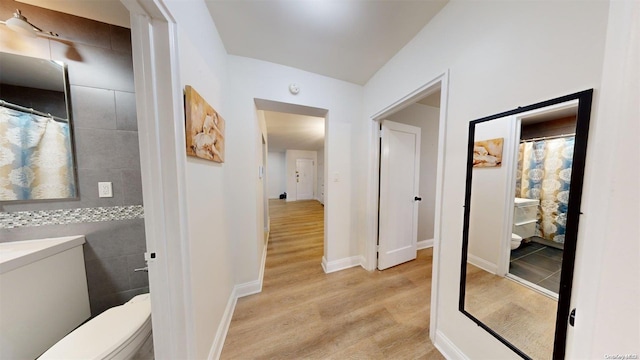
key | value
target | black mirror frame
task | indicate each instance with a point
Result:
(585, 99)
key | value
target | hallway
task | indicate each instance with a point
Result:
(304, 313)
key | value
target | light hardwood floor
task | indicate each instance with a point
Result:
(303, 313)
(522, 316)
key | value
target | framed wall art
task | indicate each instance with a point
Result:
(204, 128)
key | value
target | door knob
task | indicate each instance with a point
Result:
(417, 198)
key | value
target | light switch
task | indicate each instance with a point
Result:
(336, 177)
(105, 190)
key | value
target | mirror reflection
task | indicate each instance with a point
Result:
(36, 157)
(518, 218)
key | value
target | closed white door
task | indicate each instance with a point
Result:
(399, 198)
(304, 179)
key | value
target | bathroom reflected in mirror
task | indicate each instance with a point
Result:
(521, 224)
(36, 151)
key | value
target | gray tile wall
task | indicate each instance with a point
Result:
(100, 69)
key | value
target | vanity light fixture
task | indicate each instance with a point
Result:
(21, 25)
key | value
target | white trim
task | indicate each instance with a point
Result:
(248, 288)
(532, 286)
(437, 230)
(161, 141)
(441, 82)
(240, 290)
(223, 327)
(482, 264)
(510, 161)
(255, 286)
(341, 264)
(448, 348)
(425, 244)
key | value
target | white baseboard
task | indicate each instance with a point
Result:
(223, 328)
(423, 244)
(337, 265)
(255, 286)
(482, 264)
(448, 348)
(240, 290)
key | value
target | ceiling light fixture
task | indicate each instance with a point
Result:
(21, 25)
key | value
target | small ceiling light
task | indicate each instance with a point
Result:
(294, 89)
(21, 25)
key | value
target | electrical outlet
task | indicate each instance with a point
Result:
(105, 190)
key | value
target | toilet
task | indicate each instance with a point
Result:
(121, 332)
(516, 240)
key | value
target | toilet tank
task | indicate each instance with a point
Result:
(43, 294)
(525, 210)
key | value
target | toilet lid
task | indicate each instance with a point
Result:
(104, 334)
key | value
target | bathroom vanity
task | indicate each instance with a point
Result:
(43, 294)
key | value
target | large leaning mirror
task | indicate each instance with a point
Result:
(525, 172)
(36, 147)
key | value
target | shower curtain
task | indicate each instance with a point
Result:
(544, 173)
(36, 161)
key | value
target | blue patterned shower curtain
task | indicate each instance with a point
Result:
(544, 173)
(36, 161)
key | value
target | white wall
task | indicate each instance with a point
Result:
(258, 79)
(210, 267)
(276, 174)
(290, 160)
(607, 281)
(491, 198)
(501, 55)
(426, 118)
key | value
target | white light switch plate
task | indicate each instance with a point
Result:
(105, 189)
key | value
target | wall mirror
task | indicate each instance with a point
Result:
(525, 172)
(36, 146)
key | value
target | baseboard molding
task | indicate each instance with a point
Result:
(448, 348)
(255, 286)
(482, 264)
(337, 265)
(223, 328)
(424, 244)
(240, 290)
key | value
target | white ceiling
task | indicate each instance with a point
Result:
(343, 39)
(294, 132)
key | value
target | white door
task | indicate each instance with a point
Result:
(304, 179)
(399, 198)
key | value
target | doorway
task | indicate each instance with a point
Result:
(434, 92)
(295, 154)
(541, 184)
(416, 197)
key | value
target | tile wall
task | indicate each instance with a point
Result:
(100, 70)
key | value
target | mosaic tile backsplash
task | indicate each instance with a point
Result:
(10, 220)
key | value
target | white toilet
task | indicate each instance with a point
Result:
(122, 332)
(516, 240)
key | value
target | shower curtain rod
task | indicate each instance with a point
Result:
(548, 137)
(32, 111)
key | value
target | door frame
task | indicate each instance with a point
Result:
(160, 117)
(440, 82)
